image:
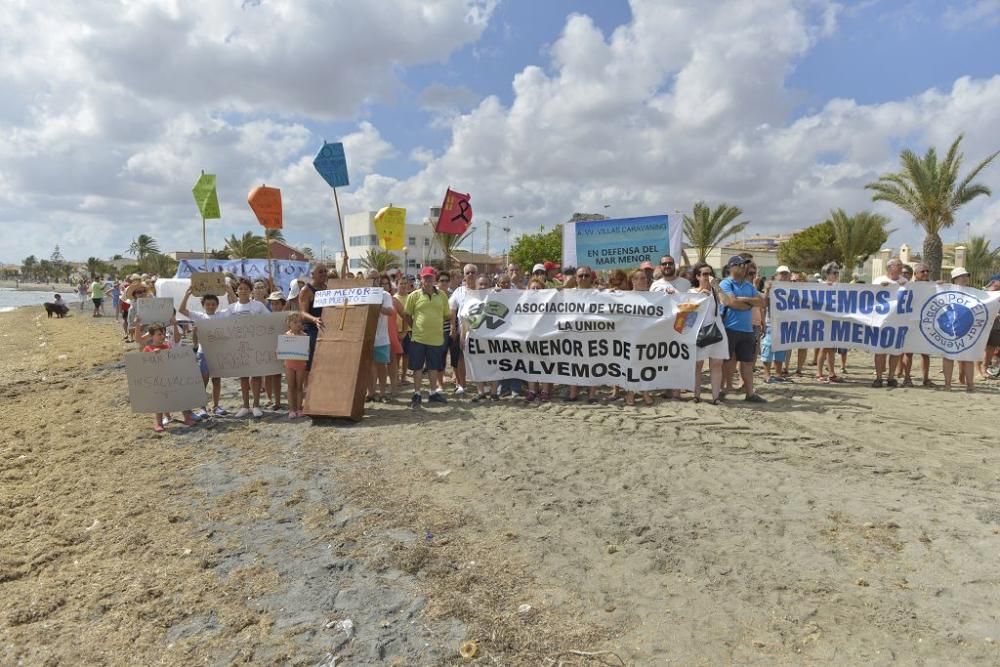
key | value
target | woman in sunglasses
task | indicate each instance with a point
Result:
(716, 353)
(828, 355)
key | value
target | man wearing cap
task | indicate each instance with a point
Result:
(669, 281)
(551, 269)
(739, 297)
(894, 274)
(425, 311)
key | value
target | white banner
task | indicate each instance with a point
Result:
(920, 317)
(353, 296)
(636, 340)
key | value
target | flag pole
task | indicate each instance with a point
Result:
(270, 273)
(204, 243)
(343, 240)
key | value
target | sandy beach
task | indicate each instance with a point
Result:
(835, 525)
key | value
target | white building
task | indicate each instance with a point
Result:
(419, 251)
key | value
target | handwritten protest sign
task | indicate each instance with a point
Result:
(921, 317)
(354, 296)
(266, 205)
(456, 213)
(242, 345)
(390, 227)
(164, 381)
(636, 340)
(623, 243)
(331, 163)
(295, 348)
(207, 282)
(206, 198)
(154, 309)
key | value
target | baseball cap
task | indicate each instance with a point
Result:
(646, 265)
(958, 271)
(736, 260)
(427, 271)
(550, 265)
(782, 269)
(538, 267)
(276, 296)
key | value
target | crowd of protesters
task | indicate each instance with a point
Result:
(418, 337)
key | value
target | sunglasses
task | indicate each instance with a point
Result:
(708, 274)
(470, 273)
(583, 275)
(666, 263)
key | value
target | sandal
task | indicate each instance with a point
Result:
(630, 401)
(907, 382)
(928, 383)
(593, 401)
(877, 384)
(647, 400)
(715, 401)
(696, 399)
(544, 397)
(823, 379)
(530, 396)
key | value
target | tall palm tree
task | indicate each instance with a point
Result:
(249, 246)
(28, 267)
(705, 228)
(95, 267)
(379, 260)
(980, 261)
(448, 243)
(142, 246)
(931, 192)
(857, 237)
(274, 235)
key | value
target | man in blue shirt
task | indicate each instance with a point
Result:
(738, 297)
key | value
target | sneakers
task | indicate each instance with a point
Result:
(165, 420)
(415, 401)
(243, 412)
(199, 414)
(436, 397)
(460, 391)
(219, 411)
(257, 412)
(755, 398)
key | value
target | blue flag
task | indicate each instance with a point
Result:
(331, 163)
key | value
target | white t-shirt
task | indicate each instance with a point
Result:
(457, 298)
(678, 284)
(886, 279)
(249, 308)
(382, 328)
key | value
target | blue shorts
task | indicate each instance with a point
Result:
(430, 355)
(768, 355)
(202, 363)
(381, 354)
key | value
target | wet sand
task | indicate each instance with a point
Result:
(835, 525)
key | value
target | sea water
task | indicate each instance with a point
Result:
(11, 298)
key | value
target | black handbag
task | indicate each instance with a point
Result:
(710, 334)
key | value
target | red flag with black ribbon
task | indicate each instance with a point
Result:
(456, 213)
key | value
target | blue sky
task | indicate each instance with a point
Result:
(648, 104)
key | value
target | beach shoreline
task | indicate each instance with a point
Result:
(837, 524)
(62, 288)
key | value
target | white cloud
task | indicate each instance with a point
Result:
(976, 13)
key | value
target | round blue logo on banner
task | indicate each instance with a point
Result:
(953, 321)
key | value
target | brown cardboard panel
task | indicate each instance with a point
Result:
(341, 362)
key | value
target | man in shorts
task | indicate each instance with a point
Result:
(739, 296)
(425, 311)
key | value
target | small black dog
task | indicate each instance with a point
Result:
(58, 309)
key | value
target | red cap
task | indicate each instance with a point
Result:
(550, 265)
(427, 271)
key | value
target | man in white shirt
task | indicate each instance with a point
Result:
(894, 274)
(457, 299)
(669, 281)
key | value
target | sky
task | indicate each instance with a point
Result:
(785, 108)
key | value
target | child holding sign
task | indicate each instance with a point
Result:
(157, 337)
(295, 370)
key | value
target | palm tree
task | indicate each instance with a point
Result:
(706, 229)
(250, 246)
(161, 265)
(980, 261)
(379, 260)
(308, 252)
(28, 267)
(143, 246)
(857, 237)
(274, 235)
(931, 192)
(95, 267)
(448, 242)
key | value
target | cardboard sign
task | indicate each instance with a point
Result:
(164, 381)
(206, 198)
(390, 227)
(208, 282)
(456, 213)
(242, 345)
(354, 296)
(266, 205)
(295, 348)
(154, 309)
(331, 163)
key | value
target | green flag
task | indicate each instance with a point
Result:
(206, 198)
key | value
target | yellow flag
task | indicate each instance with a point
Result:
(390, 227)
